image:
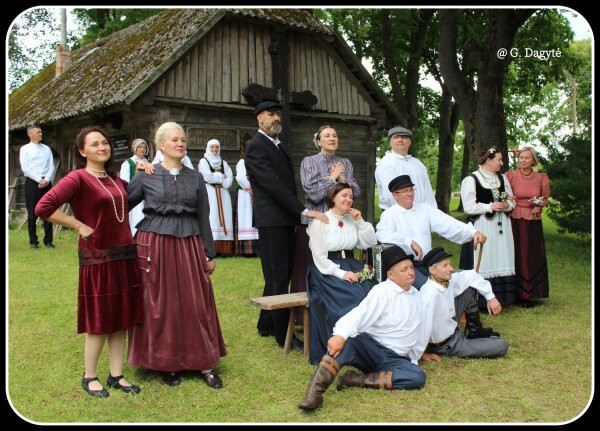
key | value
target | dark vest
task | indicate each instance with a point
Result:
(484, 196)
(213, 170)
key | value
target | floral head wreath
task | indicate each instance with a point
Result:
(491, 151)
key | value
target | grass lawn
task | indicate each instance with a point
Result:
(545, 378)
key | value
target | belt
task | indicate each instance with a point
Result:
(341, 254)
(93, 257)
(438, 345)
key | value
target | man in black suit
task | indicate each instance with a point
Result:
(276, 213)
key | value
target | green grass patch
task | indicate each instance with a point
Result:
(545, 378)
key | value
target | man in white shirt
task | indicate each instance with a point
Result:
(37, 165)
(444, 298)
(381, 336)
(399, 162)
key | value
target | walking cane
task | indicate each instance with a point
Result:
(478, 255)
(220, 208)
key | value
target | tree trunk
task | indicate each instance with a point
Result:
(465, 170)
(447, 129)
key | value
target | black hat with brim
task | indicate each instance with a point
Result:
(391, 256)
(400, 182)
(434, 256)
(267, 105)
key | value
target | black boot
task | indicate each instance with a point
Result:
(319, 382)
(379, 380)
(474, 327)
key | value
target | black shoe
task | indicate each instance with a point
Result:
(269, 333)
(483, 333)
(212, 379)
(172, 379)
(297, 345)
(113, 382)
(85, 384)
(34, 246)
(50, 245)
(528, 304)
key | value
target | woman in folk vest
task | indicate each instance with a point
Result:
(218, 177)
(487, 199)
(128, 169)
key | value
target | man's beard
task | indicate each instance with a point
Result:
(275, 129)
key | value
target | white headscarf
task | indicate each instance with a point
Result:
(214, 161)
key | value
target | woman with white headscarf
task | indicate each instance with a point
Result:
(128, 169)
(218, 178)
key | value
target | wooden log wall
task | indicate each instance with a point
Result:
(235, 54)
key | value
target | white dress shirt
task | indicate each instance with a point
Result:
(275, 140)
(333, 237)
(401, 226)
(393, 165)
(437, 303)
(37, 162)
(391, 316)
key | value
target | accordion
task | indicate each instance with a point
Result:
(374, 258)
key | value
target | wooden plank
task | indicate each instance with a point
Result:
(259, 57)
(202, 59)
(179, 80)
(297, 63)
(185, 78)
(305, 70)
(218, 61)
(226, 93)
(251, 55)
(170, 83)
(194, 73)
(243, 69)
(290, 66)
(268, 63)
(318, 89)
(332, 77)
(325, 79)
(342, 89)
(210, 67)
(274, 302)
(235, 61)
(355, 109)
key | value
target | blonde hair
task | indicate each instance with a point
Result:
(161, 132)
(317, 136)
(533, 154)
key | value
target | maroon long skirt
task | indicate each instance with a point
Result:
(180, 330)
(531, 265)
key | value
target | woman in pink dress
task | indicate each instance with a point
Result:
(110, 300)
(531, 190)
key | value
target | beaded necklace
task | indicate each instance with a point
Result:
(120, 220)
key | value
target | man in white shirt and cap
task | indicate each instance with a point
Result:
(381, 336)
(399, 162)
(444, 297)
(409, 225)
(37, 165)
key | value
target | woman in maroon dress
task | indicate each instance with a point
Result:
(180, 330)
(531, 190)
(109, 283)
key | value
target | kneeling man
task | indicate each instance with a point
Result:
(381, 336)
(444, 298)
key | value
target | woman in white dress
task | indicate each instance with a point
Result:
(487, 199)
(128, 169)
(334, 284)
(218, 178)
(247, 235)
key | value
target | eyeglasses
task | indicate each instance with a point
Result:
(404, 191)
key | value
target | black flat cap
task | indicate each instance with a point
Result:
(267, 105)
(391, 256)
(400, 182)
(434, 256)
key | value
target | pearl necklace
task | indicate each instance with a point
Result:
(120, 220)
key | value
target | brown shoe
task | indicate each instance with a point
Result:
(352, 379)
(319, 382)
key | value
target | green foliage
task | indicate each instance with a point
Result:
(99, 23)
(570, 171)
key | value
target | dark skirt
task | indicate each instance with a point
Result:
(247, 247)
(110, 297)
(329, 299)
(531, 265)
(302, 260)
(224, 248)
(181, 328)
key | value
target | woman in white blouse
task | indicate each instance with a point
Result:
(487, 199)
(334, 286)
(218, 178)
(128, 169)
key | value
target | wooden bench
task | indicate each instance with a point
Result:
(293, 301)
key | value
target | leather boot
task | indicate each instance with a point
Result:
(378, 380)
(474, 327)
(319, 382)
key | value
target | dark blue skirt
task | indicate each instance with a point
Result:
(329, 299)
